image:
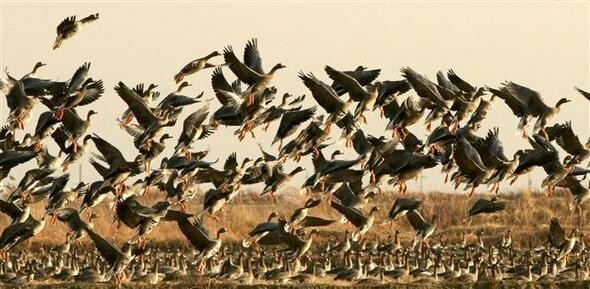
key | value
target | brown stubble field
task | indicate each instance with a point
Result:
(527, 215)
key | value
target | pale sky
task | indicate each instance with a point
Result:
(542, 45)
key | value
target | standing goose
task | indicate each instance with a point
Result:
(362, 222)
(423, 229)
(250, 71)
(69, 27)
(195, 66)
(365, 96)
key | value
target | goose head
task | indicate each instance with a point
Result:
(518, 154)
(87, 82)
(310, 203)
(165, 137)
(271, 216)
(213, 54)
(277, 67)
(561, 101)
(373, 210)
(87, 138)
(296, 171)
(285, 98)
(182, 86)
(335, 154)
(245, 162)
(221, 231)
(38, 65)
(90, 113)
(151, 87)
(435, 219)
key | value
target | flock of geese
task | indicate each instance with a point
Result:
(451, 108)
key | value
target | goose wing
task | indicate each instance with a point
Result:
(324, 95)
(291, 120)
(534, 101)
(485, 206)
(141, 111)
(584, 93)
(196, 233)
(569, 141)
(109, 251)
(459, 82)
(556, 233)
(252, 57)
(313, 221)
(350, 84)
(78, 77)
(10, 209)
(109, 151)
(515, 103)
(361, 74)
(354, 216)
(242, 71)
(416, 220)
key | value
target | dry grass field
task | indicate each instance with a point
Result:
(527, 215)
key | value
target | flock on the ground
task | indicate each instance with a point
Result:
(451, 108)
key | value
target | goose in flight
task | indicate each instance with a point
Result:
(250, 71)
(195, 66)
(69, 27)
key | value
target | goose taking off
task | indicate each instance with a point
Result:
(69, 27)
(423, 229)
(558, 239)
